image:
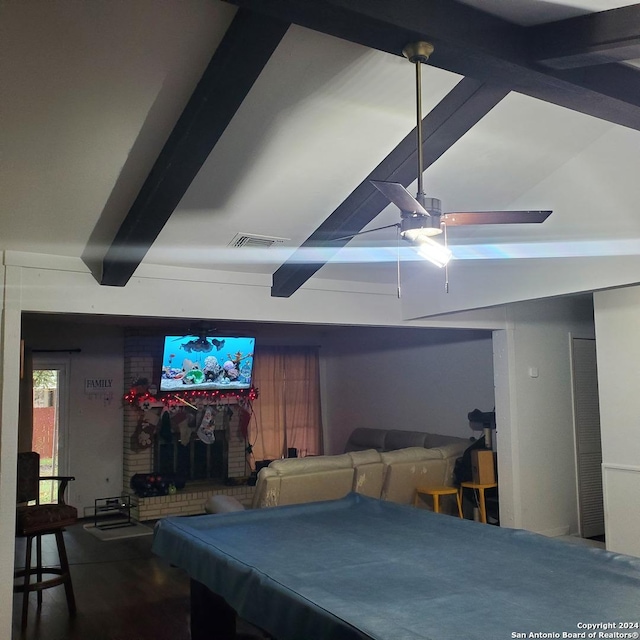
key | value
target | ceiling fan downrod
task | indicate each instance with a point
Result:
(418, 53)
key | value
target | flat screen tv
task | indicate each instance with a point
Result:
(191, 363)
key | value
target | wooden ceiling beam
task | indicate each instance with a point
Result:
(468, 42)
(591, 39)
(238, 61)
(468, 102)
(388, 25)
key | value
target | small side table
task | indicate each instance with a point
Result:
(480, 488)
(435, 493)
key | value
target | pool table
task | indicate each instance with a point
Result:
(361, 568)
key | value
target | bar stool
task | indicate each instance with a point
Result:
(35, 521)
(435, 493)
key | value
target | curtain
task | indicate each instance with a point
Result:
(287, 411)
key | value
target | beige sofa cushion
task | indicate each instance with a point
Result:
(450, 453)
(327, 484)
(311, 464)
(407, 469)
(367, 456)
(300, 480)
(454, 450)
(368, 479)
(368, 472)
(410, 454)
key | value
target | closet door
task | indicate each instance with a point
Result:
(588, 443)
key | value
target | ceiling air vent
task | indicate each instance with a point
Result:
(253, 240)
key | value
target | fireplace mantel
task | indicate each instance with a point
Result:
(140, 361)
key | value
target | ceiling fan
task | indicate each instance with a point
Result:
(202, 341)
(422, 217)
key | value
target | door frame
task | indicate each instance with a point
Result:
(62, 364)
(585, 529)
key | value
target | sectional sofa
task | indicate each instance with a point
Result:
(390, 468)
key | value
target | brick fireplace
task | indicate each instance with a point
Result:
(142, 349)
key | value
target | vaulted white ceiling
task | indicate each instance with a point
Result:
(92, 91)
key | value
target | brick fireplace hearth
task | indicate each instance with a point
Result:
(142, 351)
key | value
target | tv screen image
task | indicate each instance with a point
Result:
(191, 363)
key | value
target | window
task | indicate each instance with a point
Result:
(287, 411)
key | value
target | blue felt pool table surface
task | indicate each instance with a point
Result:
(364, 568)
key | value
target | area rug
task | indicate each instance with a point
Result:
(134, 530)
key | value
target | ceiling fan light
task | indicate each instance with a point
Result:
(432, 251)
(415, 226)
(415, 236)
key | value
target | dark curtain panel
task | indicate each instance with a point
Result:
(25, 416)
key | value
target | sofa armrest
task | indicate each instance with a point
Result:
(267, 492)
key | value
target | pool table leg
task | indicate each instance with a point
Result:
(211, 617)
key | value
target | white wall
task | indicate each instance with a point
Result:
(535, 424)
(95, 428)
(405, 379)
(64, 285)
(9, 393)
(617, 318)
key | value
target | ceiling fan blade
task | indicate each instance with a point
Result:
(399, 196)
(461, 218)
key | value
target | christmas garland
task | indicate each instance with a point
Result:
(189, 398)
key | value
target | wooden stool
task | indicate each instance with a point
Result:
(476, 486)
(35, 521)
(435, 493)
